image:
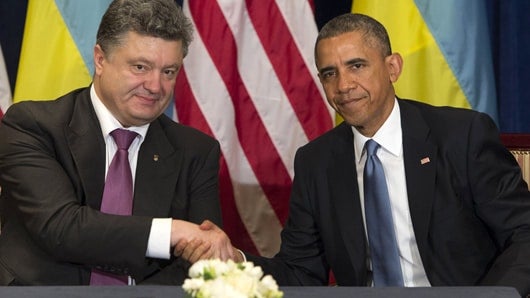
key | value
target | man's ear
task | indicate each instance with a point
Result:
(394, 63)
(99, 57)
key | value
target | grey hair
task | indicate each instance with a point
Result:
(375, 33)
(156, 18)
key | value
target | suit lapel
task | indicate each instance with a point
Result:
(344, 197)
(87, 148)
(160, 164)
(420, 158)
(158, 160)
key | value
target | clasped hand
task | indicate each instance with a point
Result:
(205, 241)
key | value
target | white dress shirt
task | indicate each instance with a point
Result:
(389, 136)
(159, 238)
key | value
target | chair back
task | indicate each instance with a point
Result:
(519, 146)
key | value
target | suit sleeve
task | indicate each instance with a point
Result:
(46, 202)
(301, 260)
(204, 187)
(503, 202)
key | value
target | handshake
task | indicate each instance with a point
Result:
(205, 241)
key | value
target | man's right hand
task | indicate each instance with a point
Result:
(207, 241)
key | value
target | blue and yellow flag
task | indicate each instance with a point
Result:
(445, 47)
(57, 47)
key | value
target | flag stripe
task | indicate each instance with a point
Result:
(265, 90)
(292, 72)
(215, 102)
(232, 222)
(421, 55)
(192, 115)
(447, 42)
(263, 157)
(46, 34)
(82, 19)
(5, 89)
(260, 100)
(468, 19)
(299, 17)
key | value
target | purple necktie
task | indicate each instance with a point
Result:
(117, 196)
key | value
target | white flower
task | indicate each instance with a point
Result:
(218, 279)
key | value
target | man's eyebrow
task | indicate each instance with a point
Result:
(355, 61)
(150, 63)
(348, 62)
(136, 60)
(326, 69)
(174, 65)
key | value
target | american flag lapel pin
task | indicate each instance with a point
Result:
(425, 160)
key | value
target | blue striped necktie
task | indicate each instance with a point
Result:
(380, 226)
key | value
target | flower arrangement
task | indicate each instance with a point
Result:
(215, 279)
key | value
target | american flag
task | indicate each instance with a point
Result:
(250, 81)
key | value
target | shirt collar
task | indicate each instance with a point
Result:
(107, 121)
(388, 136)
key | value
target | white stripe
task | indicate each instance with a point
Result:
(301, 22)
(5, 90)
(214, 101)
(263, 86)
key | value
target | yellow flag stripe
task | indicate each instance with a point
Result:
(50, 63)
(426, 75)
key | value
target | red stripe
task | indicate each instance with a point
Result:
(190, 114)
(188, 111)
(290, 67)
(256, 143)
(312, 4)
(232, 223)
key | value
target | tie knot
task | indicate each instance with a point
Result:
(371, 147)
(123, 138)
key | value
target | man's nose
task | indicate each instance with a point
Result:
(153, 82)
(345, 82)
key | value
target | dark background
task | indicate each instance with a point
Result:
(509, 28)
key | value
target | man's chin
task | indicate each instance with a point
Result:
(143, 118)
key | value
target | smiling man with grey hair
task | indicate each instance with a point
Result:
(60, 221)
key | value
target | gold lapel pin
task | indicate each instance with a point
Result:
(155, 157)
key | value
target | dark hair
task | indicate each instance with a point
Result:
(374, 32)
(157, 18)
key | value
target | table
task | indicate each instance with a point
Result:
(289, 292)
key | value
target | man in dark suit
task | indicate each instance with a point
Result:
(54, 157)
(459, 205)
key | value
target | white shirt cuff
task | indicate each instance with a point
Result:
(159, 243)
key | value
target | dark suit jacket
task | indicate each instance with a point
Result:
(469, 205)
(52, 169)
